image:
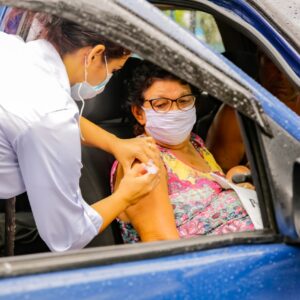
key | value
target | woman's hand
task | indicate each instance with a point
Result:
(243, 171)
(143, 149)
(137, 183)
(126, 151)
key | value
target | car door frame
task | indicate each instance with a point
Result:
(193, 66)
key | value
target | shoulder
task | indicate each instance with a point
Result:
(208, 157)
(196, 139)
(36, 83)
(10, 44)
(30, 94)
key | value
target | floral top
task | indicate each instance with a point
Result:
(201, 206)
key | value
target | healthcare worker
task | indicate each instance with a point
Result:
(40, 149)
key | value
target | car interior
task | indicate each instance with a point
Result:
(106, 111)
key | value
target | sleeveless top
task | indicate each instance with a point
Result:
(201, 206)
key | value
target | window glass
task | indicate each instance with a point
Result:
(15, 20)
(19, 22)
(11, 20)
(203, 25)
(2, 12)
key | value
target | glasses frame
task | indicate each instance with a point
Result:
(172, 100)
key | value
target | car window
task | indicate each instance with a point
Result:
(2, 12)
(202, 24)
(22, 23)
(12, 20)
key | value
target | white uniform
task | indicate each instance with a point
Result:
(40, 148)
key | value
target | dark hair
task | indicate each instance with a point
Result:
(142, 76)
(68, 36)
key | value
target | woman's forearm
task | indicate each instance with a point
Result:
(109, 208)
(95, 136)
(135, 185)
(126, 151)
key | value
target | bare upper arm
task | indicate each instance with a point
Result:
(224, 139)
(153, 216)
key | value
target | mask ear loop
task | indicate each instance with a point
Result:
(79, 89)
(106, 66)
(80, 97)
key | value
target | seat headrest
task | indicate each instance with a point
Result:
(245, 60)
(108, 105)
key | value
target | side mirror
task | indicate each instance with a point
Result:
(296, 195)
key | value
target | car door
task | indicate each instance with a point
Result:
(265, 24)
(229, 266)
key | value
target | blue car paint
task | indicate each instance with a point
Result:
(236, 272)
(2, 12)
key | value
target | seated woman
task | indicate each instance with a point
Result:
(187, 202)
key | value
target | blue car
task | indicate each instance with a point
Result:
(213, 45)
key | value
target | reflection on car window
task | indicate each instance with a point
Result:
(2, 12)
(203, 25)
(11, 20)
(15, 20)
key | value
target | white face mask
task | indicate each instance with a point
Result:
(170, 128)
(84, 90)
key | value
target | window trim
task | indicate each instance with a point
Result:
(100, 256)
(256, 156)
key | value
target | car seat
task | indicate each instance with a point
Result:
(24, 237)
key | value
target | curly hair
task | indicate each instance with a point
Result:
(142, 76)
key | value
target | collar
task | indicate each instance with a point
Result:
(48, 58)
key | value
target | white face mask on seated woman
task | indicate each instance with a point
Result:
(172, 127)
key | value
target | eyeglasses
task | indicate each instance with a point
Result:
(163, 105)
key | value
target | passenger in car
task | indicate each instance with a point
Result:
(188, 202)
(224, 139)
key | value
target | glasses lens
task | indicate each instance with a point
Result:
(161, 105)
(186, 102)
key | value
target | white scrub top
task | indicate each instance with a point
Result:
(40, 149)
